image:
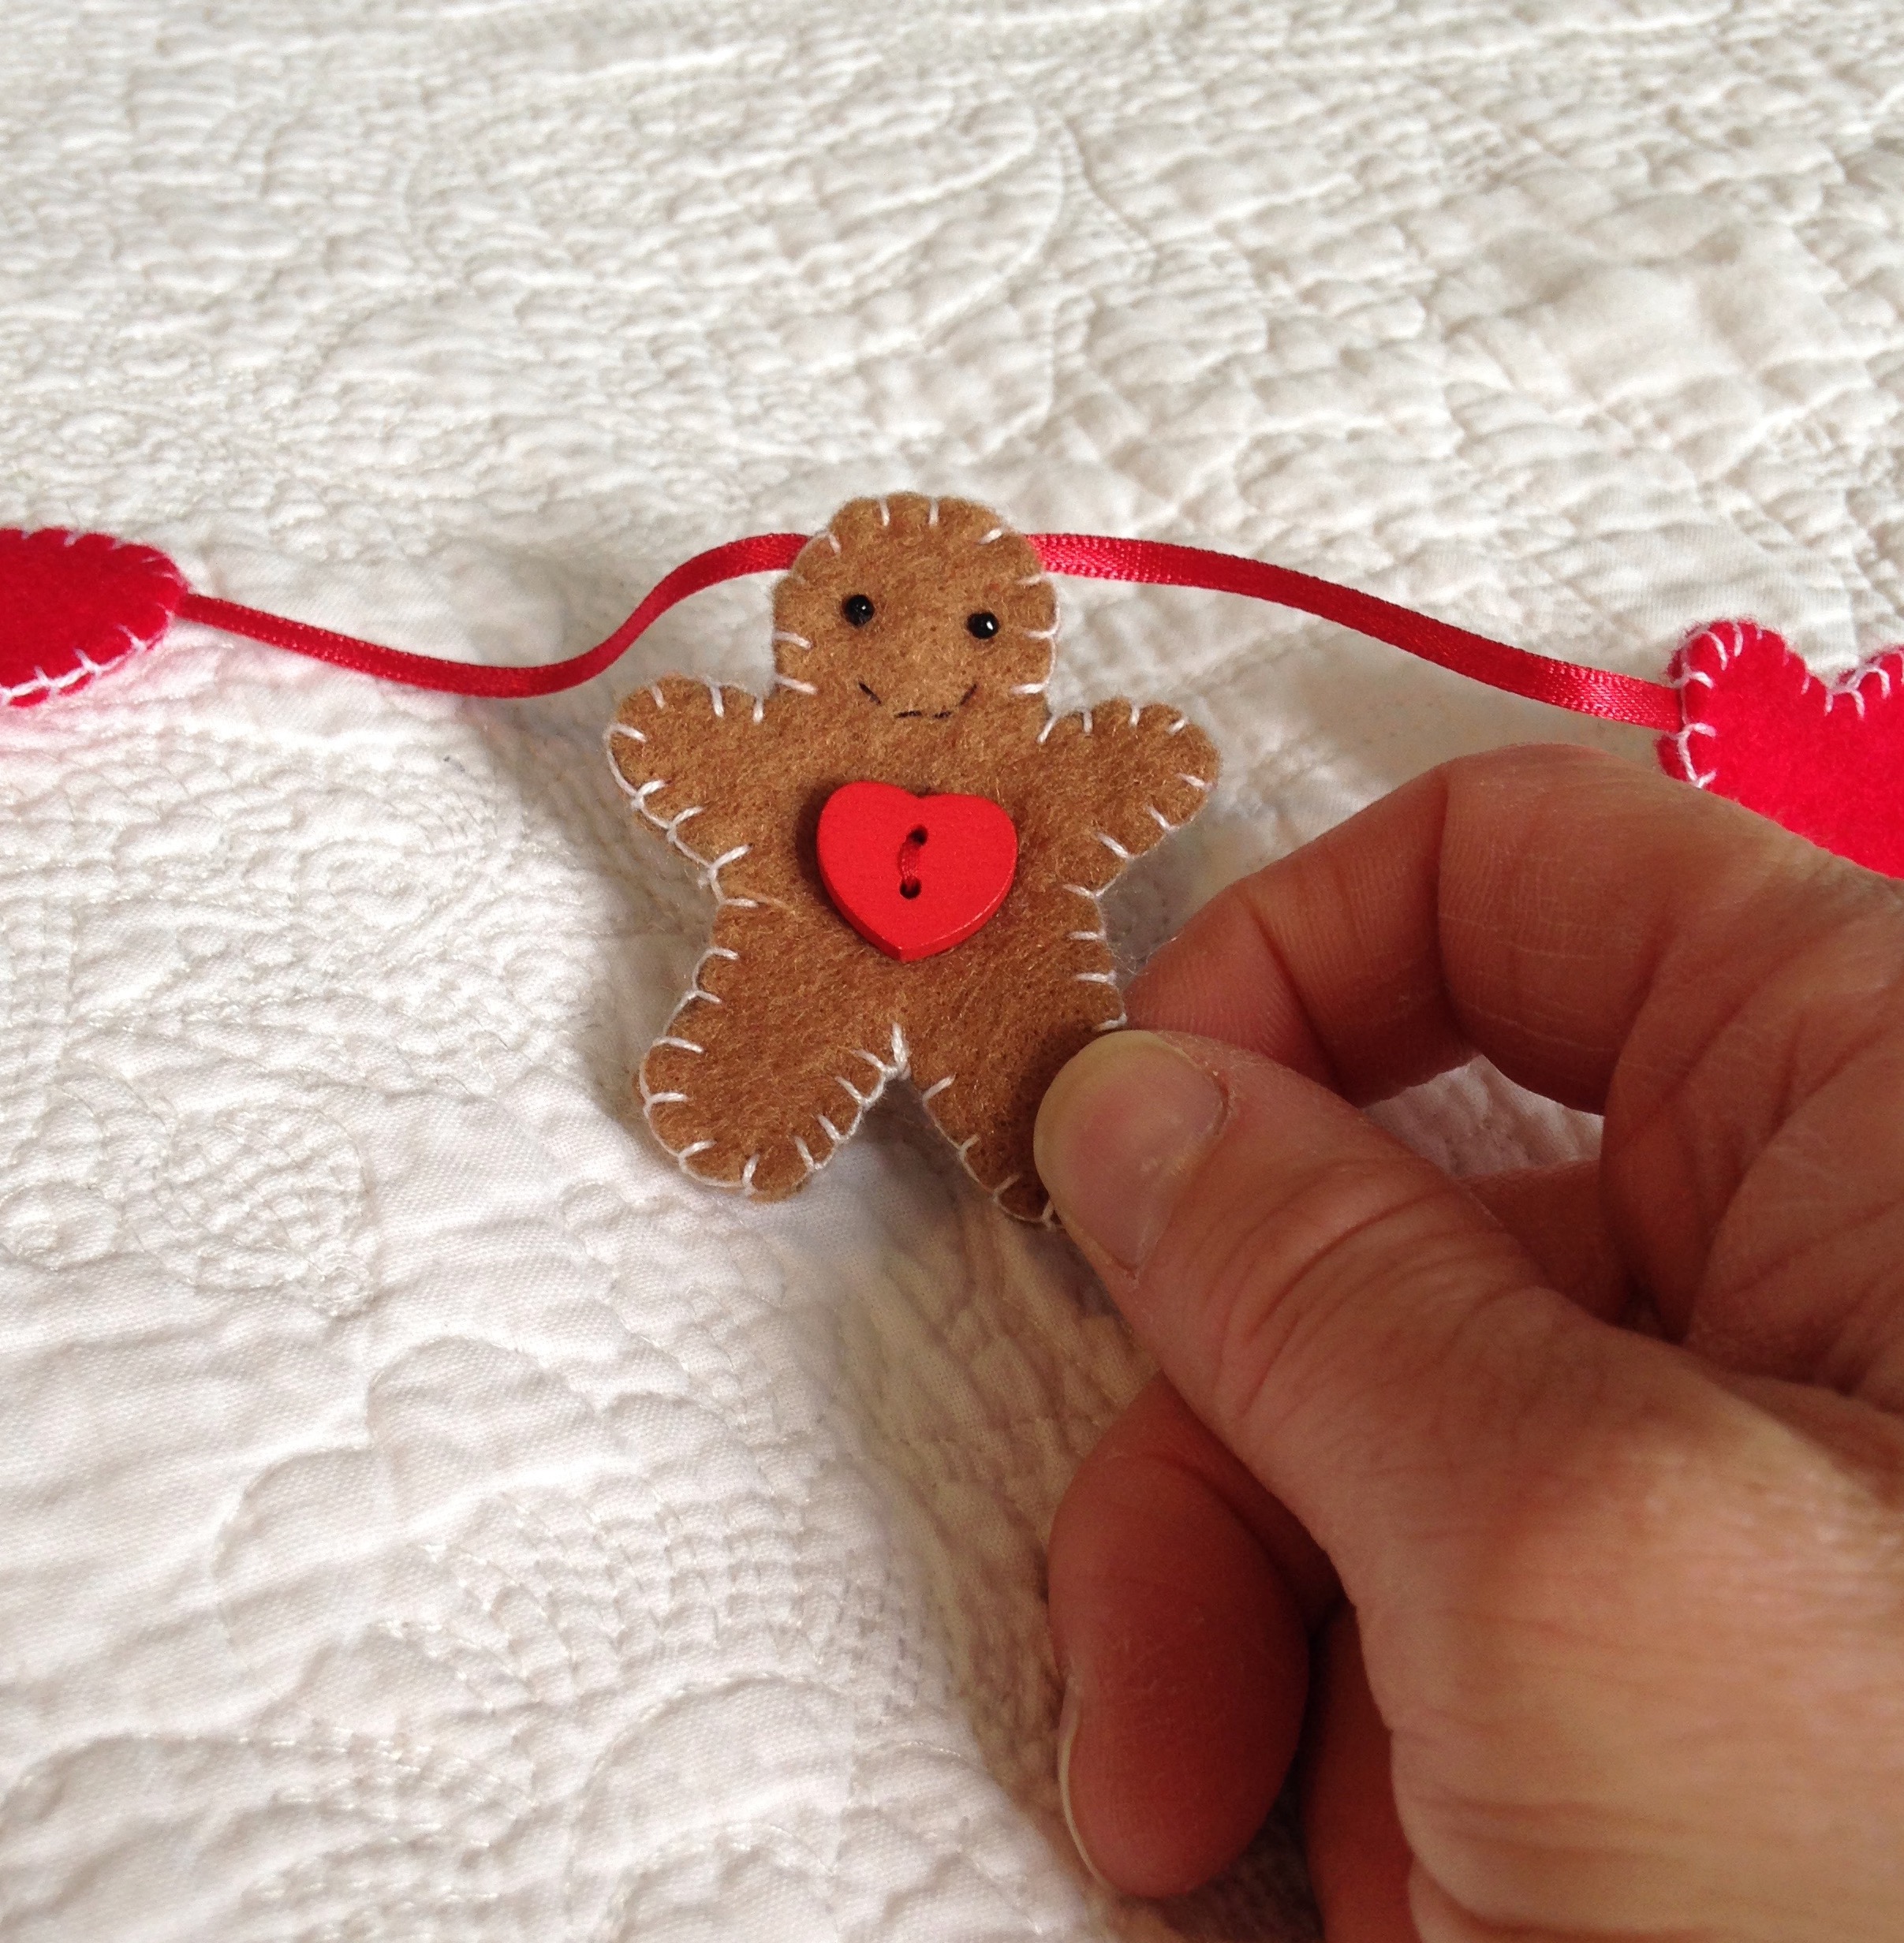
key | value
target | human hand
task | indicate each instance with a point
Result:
(1631, 1610)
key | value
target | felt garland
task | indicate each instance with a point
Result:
(907, 848)
(53, 608)
(1739, 713)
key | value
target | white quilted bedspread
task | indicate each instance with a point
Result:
(424, 1514)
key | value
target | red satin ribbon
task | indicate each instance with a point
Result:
(1564, 684)
(764, 553)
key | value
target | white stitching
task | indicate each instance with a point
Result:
(46, 686)
(1708, 637)
(695, 987)
(651, 1099)
(963, 1149)
(635, 792)
(887, 1070)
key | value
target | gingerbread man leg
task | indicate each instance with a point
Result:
(772, 1057)
(983, 1092)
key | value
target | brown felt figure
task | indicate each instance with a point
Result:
(912, 643)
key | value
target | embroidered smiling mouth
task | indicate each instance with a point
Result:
(918, 715)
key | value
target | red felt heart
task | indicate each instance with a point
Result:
(1825, 760)
(72, 605)
(915, 875)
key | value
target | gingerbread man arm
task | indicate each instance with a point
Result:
(681, 750)
(1126, 775)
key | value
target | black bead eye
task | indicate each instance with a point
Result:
(857, 608)
(981, 627)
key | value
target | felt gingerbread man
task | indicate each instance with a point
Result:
(912, 646)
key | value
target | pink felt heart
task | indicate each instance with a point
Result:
(72, 605)
(1825, 760)
(915, 875)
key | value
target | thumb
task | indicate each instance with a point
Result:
(1351, 1322)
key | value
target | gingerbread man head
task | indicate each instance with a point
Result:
(912, 643)
(917, 611)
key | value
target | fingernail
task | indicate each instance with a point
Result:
(1121, 1131)
(1067, 1733)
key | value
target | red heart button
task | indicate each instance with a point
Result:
(915, 875)
(74, 604)
(1823, 760)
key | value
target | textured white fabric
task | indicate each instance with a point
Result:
(423, 1513)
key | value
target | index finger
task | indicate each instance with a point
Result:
(1527, 904)
(1616, 941)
